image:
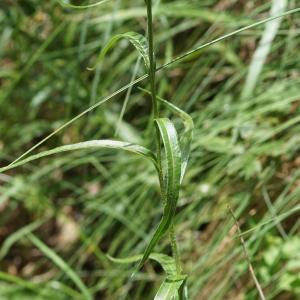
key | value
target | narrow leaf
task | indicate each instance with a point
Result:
(264, 47)
(88, 145)
(186, 137)
(136, 39)
(171, 186)
(62, 265)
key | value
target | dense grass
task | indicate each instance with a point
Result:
(61, 215)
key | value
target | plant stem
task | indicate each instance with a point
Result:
(175, 250)
(152, 69)
(152, 76)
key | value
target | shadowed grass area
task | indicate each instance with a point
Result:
(61, 215)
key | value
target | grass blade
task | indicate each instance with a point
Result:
(257, 284)
(264, 47)
(127, 96)
(88, 145)
(13, 238)
(91, 108)
(226, 36)
(62, 265)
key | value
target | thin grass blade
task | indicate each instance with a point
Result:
(142, 151)
(19, 234)
(264, 47)
(62, 265)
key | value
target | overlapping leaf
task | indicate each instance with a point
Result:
(171, 186)
(186, 137)
(142, 151)
(172, 290)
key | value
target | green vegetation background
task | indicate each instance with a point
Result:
(86, 204)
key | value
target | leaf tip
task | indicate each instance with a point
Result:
(90, 68)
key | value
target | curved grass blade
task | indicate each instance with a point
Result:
(19, 234)
(173, 286)
(167, 262)
(186, 137)
(89, 145)
(171, 183)
(62, 265)
(136, 39)
(66, 4)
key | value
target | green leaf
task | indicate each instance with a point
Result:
(88, 145)
(171, 183)
(170, 290)
(186, 137)
(173, 286)
(62, 265)
(167, 262)
(66, 3)
(136, 39)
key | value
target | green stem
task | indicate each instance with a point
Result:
(152, 69)
(152, 76)
(175, 250)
